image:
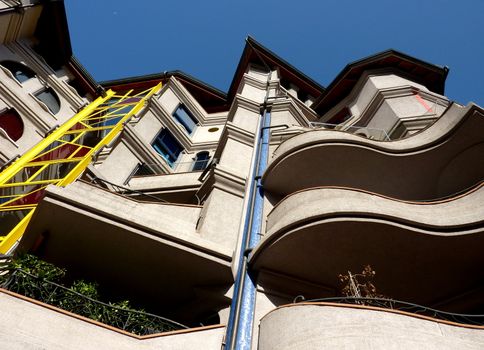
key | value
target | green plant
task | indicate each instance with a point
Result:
(37, 279)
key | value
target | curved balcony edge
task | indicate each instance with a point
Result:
(315, 234)
(334, 326)
(425, 166)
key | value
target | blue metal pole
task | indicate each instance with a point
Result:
(245, 324)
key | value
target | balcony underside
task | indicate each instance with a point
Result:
(129, 249)
(442, 160)
(429, 254)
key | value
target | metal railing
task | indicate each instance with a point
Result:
(121, 317)
(392, 304)
(371, 133)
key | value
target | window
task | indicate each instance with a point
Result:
(201, 161)
(143, 170)
(49, 97)
(183, 116)
(167, 146)
(12, 124)
(20, 72)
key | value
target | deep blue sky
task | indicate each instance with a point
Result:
(117, 39)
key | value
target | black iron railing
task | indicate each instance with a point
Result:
(119, 316)
(403, 306)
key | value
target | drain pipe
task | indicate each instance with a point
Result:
(241, 318)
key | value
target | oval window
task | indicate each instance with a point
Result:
(49, 97)
(12, 124)
(19, 71)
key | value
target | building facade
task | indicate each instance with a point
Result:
(234, 214)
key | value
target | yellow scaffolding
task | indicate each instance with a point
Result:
(61, 157)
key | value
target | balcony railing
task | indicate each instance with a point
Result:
(121, 317)
(371, 133)
(467, 319)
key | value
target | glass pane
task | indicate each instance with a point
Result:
(201, 161)
(167, 146)
(20, 72)
(49, 97)
(184, 117)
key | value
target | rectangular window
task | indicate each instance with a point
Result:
(185, 119)
(167, 146)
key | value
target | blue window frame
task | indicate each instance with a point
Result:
(201, 161)
(185, 118)
(167, 146)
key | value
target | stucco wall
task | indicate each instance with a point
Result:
(28, 326)
(326, 327)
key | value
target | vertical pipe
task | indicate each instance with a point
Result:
(245, 325)
(233, 320)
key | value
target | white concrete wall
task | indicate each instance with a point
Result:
(308, 327)
(383, 101)
(28, 326)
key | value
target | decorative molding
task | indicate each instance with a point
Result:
(46, 73)
(224, 180)
(240, 101)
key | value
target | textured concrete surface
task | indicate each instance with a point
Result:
(27, 326)
(308, 327)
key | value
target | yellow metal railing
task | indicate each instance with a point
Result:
(60, 158)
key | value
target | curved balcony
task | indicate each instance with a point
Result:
(439, 161)
(427, 253)
(338, 326)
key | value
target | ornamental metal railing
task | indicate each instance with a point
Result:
(392, 304)
(121, 317)
(61, 157)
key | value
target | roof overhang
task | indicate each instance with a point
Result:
(427, 74)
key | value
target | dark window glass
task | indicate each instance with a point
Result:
(49, 97)
(12, 124)
(167, 146)
(143, 170)
(201, 161)
(20, 72)
(183, 116)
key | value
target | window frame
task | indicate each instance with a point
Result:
(204, 162)
(48, 89)
(163, 149)
(180, 119)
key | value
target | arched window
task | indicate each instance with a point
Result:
(49, 97)
(183, 116)
(167, 146)
(20, 72)
(12, 124)
(201, 161)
